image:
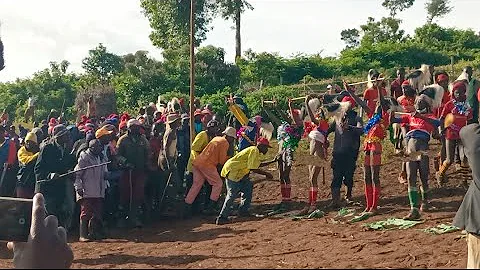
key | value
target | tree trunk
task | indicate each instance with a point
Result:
(238, 38)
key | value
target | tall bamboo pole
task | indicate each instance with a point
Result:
(192, 69)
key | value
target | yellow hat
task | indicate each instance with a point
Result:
(31, 137)
(102, 132)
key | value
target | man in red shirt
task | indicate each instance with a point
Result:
(407, 101)
(371, 95)
(375, 130)
(396, 86)
(421, 123)
(454, 117)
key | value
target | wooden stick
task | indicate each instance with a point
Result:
(364, 82)
(299, 98)
(78, 170)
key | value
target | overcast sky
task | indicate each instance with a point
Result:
(36, 32)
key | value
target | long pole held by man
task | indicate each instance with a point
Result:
(192, 69)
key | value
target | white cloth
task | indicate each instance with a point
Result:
(317, 136)
(473, 243)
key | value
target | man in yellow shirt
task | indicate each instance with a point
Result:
(27, 157)
(236, 171)
(205, 168)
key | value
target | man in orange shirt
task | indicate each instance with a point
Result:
(204, 167)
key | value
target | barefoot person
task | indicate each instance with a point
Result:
(422, 124)
(236, 171)
(375, 130)
(459, 110)
(316, 131)
(407, 101)
(289, 134)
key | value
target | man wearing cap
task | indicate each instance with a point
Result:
(27, 157)
(90, 190)
(106, 135)
(205, 168)
(133, 153)
(54, 160)
(237, 171)
(170, 152)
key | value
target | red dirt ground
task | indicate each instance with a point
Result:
(283, 243)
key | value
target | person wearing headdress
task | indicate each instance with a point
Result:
(54, 160)
(407, 101)
(371, 95)
(316, 131)
(289, 134)
(348, 127)
(455, 115)
(422, 123)
(374, 130)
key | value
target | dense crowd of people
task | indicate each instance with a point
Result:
(125, 170)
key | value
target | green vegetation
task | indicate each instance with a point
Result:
(139, 79)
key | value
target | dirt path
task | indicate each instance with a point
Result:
(283, 243)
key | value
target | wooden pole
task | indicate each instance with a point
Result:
(192, 70)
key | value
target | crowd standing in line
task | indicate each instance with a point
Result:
(125, 170)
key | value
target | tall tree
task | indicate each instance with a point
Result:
(170, 21)
(232, 10)
(437, 9)
(385, 30)
(102, 64)
(396, 6)
(351, 37)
